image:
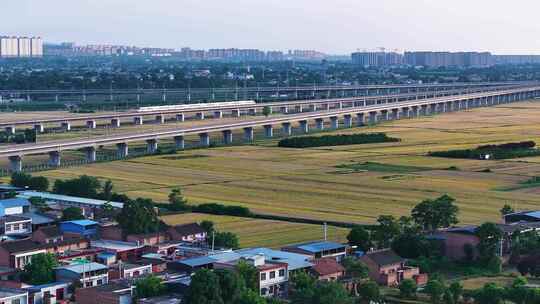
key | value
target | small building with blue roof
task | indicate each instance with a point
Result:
(524, 216)
(85, 228)
(14, 206)
(319, 249)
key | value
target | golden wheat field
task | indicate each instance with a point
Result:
(306, 182)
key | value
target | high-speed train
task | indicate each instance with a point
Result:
(198, 106)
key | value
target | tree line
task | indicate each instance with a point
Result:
(502, 151)
(335, 140)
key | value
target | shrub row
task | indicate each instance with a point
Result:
(335, 140)
(504, 151)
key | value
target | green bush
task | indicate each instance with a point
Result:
(335, 140)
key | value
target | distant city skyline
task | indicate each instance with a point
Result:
(337, 27)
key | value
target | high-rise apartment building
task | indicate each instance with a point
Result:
(13, 47)
(447, 59)
(376, 59)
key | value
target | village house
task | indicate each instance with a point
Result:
(13, 296)
(319, 249)
(15, 226)
(112, 293)
(389, 269)
(84, 228)
(327, 269)
(89, 274)
(192, 233)
(51, 293)
(129, 271)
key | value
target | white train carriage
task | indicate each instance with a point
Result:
(198, 106)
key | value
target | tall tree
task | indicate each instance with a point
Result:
(369, 292)
(20, 179)
(72, 214)
(407, 289)
(83, 186)
(249, 275)
(150, 286)
(360, 237)
(176, 200)
(506, 209)
(107, 190)
(438, 213)
(40, 270)
(226, 240)
(204, 288)
(138, 216)
(489, 237)
(386, 231)
(231, 285)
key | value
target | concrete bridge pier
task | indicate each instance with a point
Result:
(138, 120)
(304, 126)
(10, 130)
(39, 128)
(235, 113)
(424, 110)
(151, 146)
(66, 126)
(414, 112)
(334, 122)
(249, 134)
(319, 124)
(180, 117)
(286, 128)
(372, 118)
(91, 154)
(15, 163)
(122, 150)
(360, 119)
(299, 108)
(160, 119)
(384, 115)
(395, 114)
(54, 159)
(313, 107)
(268, 131)
(340, 105)
(204, 139)
(115, 123)
(284, 110)
(405, 112)
(347, 121)
(218, 114)
(200, 115)
(91, 124)
(326, 106)
(252, 112)
(227, 137)
(179, 142)
(433, 109)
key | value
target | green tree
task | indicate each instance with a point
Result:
(38, 203)
(83, 186)
(506, 209)
(355, 269)
(267, 111)
(231, 285)
(226, 240)
(40, 270)
(248, 296)
(331, 293)
(386, 231)
(435, 289)
(208, 226)
(456, 288)
(407, 289)
(489, 294)
(204, 288)
(107, 190)
(38, 183)
(108, 209)
(138, 216)
(150, 286)
(369, 292)
(438, 213)
(489, 236)
(360, 237)
(248, 274)
(176, 200)
(20, 179)
(72, 214)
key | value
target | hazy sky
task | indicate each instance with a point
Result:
(333, 26)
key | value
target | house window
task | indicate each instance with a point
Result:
(271, 289)
(15, 226)
(88, 284)
(15, 301)
(263, 276)
(99, 282)
(282, 272)
(263, 291)
(272, 274)
(8, 227)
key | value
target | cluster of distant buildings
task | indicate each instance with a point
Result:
(15, 47)
(438, 59)
(231, 54)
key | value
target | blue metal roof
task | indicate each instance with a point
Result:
(535, 214)
(80, 268)
(294, 260)
(198, 261)
(81, 222)
(65, 198)
(14, 202)
(319, 246)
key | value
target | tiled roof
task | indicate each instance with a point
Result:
(327, 266)
(50, 231)
(384, 257)
(189, 229)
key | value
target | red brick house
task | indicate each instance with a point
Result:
(327, 269)
(389, 269)
(193, 233)
(112, 293)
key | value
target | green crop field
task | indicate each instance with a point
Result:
(310, 183)
(255, 232)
